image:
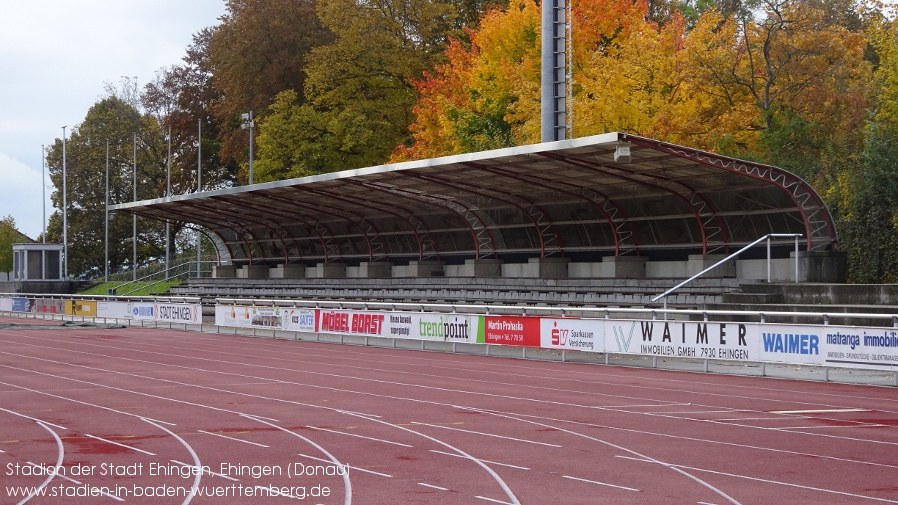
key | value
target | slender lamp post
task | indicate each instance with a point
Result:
(168, 194)
(199, 186)
(106, 221)
(65, 213)
(134, 220)
(249, 123)
(44, 195)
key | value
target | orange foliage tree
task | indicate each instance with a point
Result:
(730, 83)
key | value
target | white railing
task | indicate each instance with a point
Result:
(767, 237)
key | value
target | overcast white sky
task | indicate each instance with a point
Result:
(56, 57)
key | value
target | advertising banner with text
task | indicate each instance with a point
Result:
(81, 308)
(233, 315)
(845, 346)
(303, 320)
(572, 334)
(22, 305)
(189, 313)
(49, 306)
(405, 325)
(114, 310)
(511, 330)
(682, 339)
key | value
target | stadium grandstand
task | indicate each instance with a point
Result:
(606, 219)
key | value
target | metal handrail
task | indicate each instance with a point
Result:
(164, 272)
(767, 237)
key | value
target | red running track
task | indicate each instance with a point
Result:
(152, 416)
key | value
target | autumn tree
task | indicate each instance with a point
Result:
(181, 99)
(864, 196)
(360, 89)
(115, 121)
(756, 88)
(471, 102)
(488, 96)
(259, 50)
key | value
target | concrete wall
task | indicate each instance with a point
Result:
(814, 268)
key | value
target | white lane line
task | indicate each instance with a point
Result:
(600, 483)
(45, 393)
(817, 411)
(486, 434)
(59, 456)
(768, 481)
(481, 464)
(29, 417)
(196, 459)
(696, 411)
(432, 486)
(354, 468)
(616, 446)
(232, 438)
(484, 460)
(751, 419)
(365, 470)
(205, 470)
(643, 460)
(817, 427)
(493, 500)
(118, 444)
(359, 436)
(352, 412)
(347, 500)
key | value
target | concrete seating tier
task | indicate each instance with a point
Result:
(504, 291)
(819, 298)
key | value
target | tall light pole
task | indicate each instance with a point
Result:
(43, 195)
(65, 214)
(249, 123)
(168, 193)
(199, 184)
(134, 220)
(106, 221)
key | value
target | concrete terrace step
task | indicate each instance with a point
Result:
(598, 292)
(831, 311)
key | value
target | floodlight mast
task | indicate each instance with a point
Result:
(248, 123)
(65, 213)
(555, 120)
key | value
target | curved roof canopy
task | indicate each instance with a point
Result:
(553, 199)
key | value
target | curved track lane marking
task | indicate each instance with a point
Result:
(277, 399)
(280, 381)
(434, 363)
(721, 493)
(196, 459)
(60, 454)
(347, 484)
(502, 484)
(660, 402)
(233, 438)
(768, 481)
(118, 444)
(48, 423)
(701, 440)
